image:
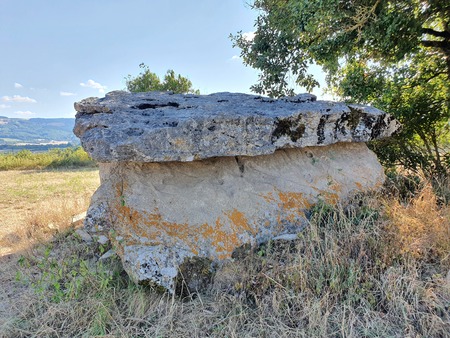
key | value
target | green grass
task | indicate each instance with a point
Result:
(54, 158)
(376, 267)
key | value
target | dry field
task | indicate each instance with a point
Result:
(40, 200)
(377, 267)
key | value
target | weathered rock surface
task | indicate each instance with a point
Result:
(163, 127)
(164, 214)
(188, 180)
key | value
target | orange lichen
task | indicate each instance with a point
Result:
(330, 197)
(222, 236)
(269, 198)
(336, 187)
(225, 240)
(239, 221)
(332, 194)
(291, 205)
(293, 200)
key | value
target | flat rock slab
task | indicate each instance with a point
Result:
(164, 127)
(170, 219)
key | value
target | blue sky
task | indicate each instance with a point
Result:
(56, 52)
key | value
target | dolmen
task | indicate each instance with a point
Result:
(187, 181)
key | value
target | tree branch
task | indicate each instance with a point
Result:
(430, 31)
(444, 45)
(420, 81)
(362, 16)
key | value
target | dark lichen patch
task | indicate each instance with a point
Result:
(321, 129)
(134, 132)
(100, 110)
(299, 132)
(378, 126)
(171, 124)
(354, 117)
(290, 127)
(340, 126)
(194, 274)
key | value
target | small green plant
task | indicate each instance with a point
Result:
(63, 280)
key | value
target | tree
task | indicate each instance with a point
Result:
(147, 81)
(392, 54)
(418, 96)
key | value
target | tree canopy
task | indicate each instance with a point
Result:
(147, 81)
(292, 34)
(394, 55)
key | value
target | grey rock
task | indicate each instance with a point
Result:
(84, 235)
(108, 254)
(102, 239)
(164, 127)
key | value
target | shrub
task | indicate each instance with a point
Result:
(54, 158)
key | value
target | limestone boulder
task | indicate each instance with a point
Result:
(187, 181)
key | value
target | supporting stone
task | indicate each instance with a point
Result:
(162, 214)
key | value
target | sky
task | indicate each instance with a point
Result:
(57, 52)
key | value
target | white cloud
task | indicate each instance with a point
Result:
(4, 106)
(67, 94)
(24, 113)
(18, 98)
(235, 58)
(95, 85)
(17, 85)
(249, 36)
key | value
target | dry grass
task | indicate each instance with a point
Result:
(35, 204)
(378, 267)
(421, 227)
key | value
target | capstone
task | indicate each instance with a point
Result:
(165, 127)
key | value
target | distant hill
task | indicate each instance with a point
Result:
(37, 130)
(36, 133)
